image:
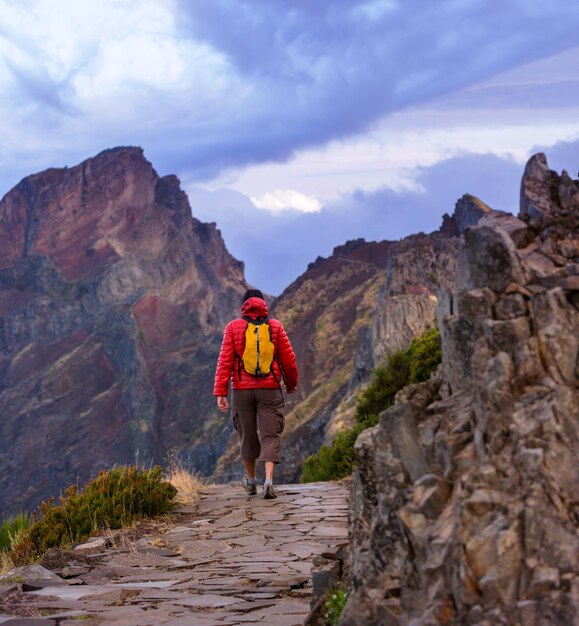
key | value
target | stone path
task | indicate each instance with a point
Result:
(237, 560)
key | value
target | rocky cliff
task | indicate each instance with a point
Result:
(344, 314)
(112, 304)
(464, 505)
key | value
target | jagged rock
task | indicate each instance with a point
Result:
(430, 495)
(464, 501)
(94, 545)
(515, 228)
(29, 573)
(468, 211)
(73, 570)
(7, 588)
(537, 187)
(492, 258)
(65, 562)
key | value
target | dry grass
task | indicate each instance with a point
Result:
(188, 484)
(6, 563)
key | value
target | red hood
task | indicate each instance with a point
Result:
(254, 307)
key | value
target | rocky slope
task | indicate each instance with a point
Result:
(344, 314)
(112, 304)
(464, 506)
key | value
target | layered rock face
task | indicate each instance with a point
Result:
(342, 316)
(464, 505)
(112, 304)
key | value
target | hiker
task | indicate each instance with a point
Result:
(257, 354)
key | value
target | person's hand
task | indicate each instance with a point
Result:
(223, 404)
(293, 390)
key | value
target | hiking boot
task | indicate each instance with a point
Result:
(248, 486)
(269, 492)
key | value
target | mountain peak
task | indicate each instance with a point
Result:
(136, 150)
(468, 210)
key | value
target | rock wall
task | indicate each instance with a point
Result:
(465, 501)
(112, 305)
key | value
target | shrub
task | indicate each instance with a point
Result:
(415, 364)
(114, 499)
(335, 461)
(386, 382)
(425, 355)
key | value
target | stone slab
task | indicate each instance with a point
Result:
(205, 600)
(28, 573)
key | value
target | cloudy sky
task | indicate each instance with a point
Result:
(297, 124)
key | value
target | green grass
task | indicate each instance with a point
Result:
(334, 605)
(114, 499)
(10, 528)
(335, 461)
(415, 364)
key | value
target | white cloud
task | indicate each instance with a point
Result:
(287, 200)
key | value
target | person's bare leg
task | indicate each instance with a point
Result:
(269, 467)
(250, 469)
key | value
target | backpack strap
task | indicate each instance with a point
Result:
(239, 359)
(276, 360)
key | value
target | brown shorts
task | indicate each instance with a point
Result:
(262, 409)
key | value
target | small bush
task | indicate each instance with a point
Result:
(425, 355)
(415, 364)
(335, 461)
(114, 499)
(387, 381)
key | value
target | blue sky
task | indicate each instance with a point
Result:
(297, 124)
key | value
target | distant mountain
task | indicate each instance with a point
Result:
(345, 313)
(112, 305)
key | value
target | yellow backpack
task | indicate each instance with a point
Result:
(259, 350)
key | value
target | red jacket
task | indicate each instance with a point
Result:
(232, 348)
